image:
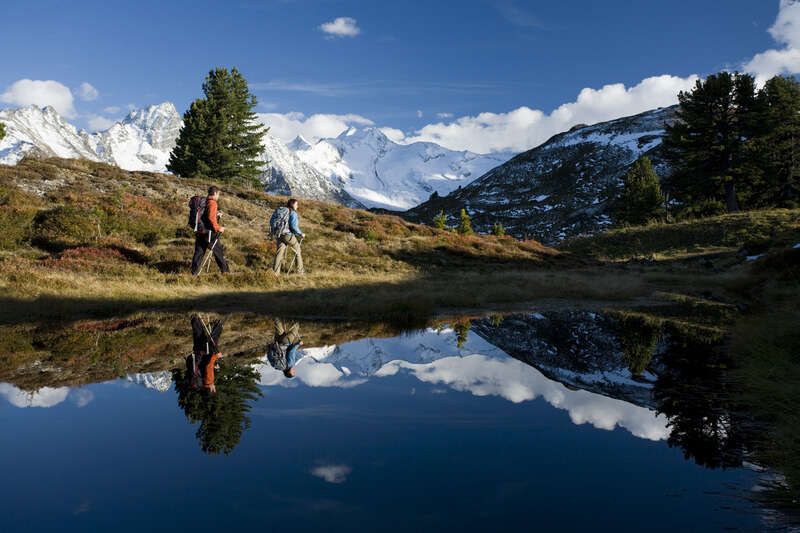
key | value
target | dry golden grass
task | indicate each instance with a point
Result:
(98, 240)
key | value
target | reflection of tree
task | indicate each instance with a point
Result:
(462, 331)
(638, 337)
(696, 398)
(222, 416)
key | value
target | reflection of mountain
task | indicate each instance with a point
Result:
(160, 381)
(581, 349)
(476, 367)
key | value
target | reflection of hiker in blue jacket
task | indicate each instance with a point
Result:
(282, 352)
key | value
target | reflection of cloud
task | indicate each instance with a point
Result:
(82, 397)
(44, 397)
(517, 382)
(332, 473)
(477, 367)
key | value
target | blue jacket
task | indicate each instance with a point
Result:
(293, 224)
(291, 355)
(282, 356)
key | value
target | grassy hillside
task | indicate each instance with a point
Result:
(88, 239)
(750, 232)
(79, 237)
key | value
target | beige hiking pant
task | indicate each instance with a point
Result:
(286, 336)
(288, 241)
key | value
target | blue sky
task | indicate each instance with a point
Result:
(400, 65)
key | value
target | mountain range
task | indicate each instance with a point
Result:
(359, 168)
(559, 189)
(382, 173)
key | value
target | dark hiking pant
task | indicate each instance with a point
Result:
(204, 241)
(205, 337)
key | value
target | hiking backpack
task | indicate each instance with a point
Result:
(279, 222)
(197, 208)
(276, 355)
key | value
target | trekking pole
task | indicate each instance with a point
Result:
(207, 260)
(294, 258)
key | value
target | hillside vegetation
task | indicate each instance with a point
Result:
(81, 236)
(749, 233)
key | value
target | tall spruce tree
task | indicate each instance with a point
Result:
(221, 137)
(706, 144)
(777, 147)
(465, 223)
(641, 200)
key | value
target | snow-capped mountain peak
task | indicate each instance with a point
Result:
(298, 143)
(143, 140)
(379, 172)
(34, 130)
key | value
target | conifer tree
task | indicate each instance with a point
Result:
(2, 131)
(462, 332)
(440, 220)
(220, 137)
(465, 225)
(641, 200)
(498, 229)
(706, 143)
(778, 145)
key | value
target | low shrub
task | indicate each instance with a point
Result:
(66, 226)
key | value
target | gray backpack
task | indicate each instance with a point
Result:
(279, 223)
(276, 355)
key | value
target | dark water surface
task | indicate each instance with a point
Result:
(532, 423)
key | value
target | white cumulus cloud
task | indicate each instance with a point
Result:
(98, 122)
(341, 27)
(87, 92)
(786, 32)
(112, 109)
(332, 473)
(394, 134)
(524, 127)
(287, 126)
(42, 93)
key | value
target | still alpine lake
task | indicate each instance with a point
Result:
(553, 421)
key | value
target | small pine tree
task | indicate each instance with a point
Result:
(462, 332)
(465, 226)
(440, 221)
(498, 229)
(642, 200)
(2, 130)
(221, 136)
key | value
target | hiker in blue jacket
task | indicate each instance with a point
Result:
(282, 352)
(285, 228)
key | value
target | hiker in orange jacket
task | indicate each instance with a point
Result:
(202, 363)
(208, 236)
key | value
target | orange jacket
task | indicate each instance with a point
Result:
(208, 371)
(211, 213)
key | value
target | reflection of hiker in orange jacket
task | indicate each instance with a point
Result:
(202, 363)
